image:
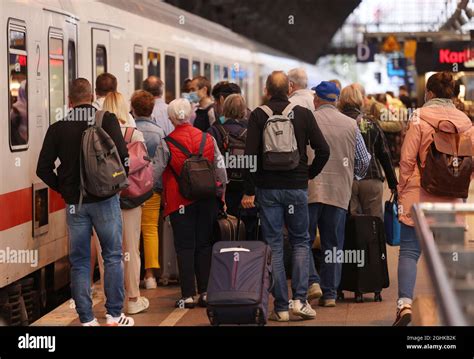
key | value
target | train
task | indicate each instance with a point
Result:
(49, 43)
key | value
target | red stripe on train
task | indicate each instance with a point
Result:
(16, 207)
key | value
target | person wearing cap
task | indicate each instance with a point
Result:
(299, 92)
(283, 197)
(329, 193)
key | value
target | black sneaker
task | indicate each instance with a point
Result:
(202, 302)
(403, 316)
(185, 303)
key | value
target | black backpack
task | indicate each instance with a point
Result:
(234, 145)
(197, 179)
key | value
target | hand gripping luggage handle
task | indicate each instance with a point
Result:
(239, 216)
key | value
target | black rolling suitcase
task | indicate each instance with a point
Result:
(239, 283)
(365, 233)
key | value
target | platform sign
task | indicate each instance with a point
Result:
(366, 52)
(445, 56)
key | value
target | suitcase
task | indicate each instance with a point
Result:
(169, 263)
(365, 233)
(239, 283)
(229, 228)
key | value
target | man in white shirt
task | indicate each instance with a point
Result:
(154, 85)
(299, 93)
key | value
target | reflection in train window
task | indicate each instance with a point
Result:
(71, 59)
(100, 60)
(183, 70)
(217, 73)
(196, 68)
(170, 78)
(153, 62)
(56, 78)
(18, 89)
(207, 71)
(138, 66)
(225, 75)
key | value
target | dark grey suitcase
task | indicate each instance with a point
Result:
(169, 263)
(239, 283)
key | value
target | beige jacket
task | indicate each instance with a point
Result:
(417, 141)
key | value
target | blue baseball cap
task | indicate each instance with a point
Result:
(327, 91)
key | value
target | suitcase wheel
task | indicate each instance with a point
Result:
(377, 297)
(340, 295)
(359, 297)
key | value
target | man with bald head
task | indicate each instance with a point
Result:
(154, 85)
(282, 194)
(63, 141)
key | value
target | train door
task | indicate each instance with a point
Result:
(71, 33)
(100, 53)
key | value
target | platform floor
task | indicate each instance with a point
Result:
(346, 313)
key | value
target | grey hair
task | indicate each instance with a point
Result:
(299, 77)
(180, 110)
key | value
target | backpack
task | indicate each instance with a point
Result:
(101, 171)
(140, 173)
(197, 179)
(448, 165)
(280, 149)
(234, 145)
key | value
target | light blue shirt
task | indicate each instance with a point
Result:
(160, 116)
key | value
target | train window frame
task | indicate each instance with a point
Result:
(57, 34)
(225, 68)
(137, 50)
(154, 51)
(104, 49)
(19, 26)
(198, 62)
(166, 81)
(218, 72)
(70, 78)
(209, 65)
(183, 78)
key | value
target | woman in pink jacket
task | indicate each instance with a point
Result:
(438, 109)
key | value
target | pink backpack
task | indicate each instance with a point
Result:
(140, 175)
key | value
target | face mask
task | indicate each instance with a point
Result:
(222, 119)
(193, 97)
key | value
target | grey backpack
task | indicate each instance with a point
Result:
(101, 170)
(280, 149)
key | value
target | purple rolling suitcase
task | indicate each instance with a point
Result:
(239, 283)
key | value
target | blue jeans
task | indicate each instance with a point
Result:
(106, 218)
(410, 252)
(331, 222)
(290, 207)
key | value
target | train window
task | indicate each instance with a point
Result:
(170, 78)
(153, 62)
(183, 70)
(207, 71)
(56, 78)
(196, 68)
(18, 89)
(138, 65)
(100, 60)
(217, 73)
(225, 75)
(71, 60)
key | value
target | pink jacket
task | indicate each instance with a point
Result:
(417, 141)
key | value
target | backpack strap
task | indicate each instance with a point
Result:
(267, 110)
(128, 134)
(224, 133)
(178, 145)
(203, 143)
(99, 117)
(288, 109)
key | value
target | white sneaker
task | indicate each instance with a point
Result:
(303, 310)
(279, 316)
(140, 305)
(92, 323)
(122, 321)
(314, 292)
(150, 283)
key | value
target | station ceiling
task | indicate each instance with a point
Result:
(300, 28)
